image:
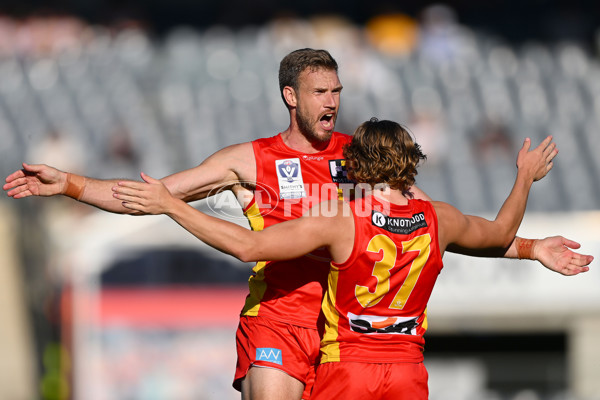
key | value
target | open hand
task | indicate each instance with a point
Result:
(149, 197)
(35, 180)
(555, 254)
(537, 162)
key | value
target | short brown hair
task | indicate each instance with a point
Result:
(297, 61)
(383, 152)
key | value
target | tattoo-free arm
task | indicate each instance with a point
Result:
(281, 241)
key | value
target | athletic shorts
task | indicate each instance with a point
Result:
(359, 381)
(263, 342)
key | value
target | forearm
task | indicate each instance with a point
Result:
(282, 241)
(488, 252)
(222, 235)
(511, 251)
(94, 192)
(512, 211)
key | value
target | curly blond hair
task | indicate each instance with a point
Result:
(383, 152)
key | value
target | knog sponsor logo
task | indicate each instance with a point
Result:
(398, 225)
(225, 204)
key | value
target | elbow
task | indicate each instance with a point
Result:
(252, 247)
(246, 254)
(506, 237)
(244, 257)
(508, 241)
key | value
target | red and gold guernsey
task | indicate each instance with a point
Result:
(287, 184)
(376, 305)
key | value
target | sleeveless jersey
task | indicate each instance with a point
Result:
(376, 305)
(288, 183)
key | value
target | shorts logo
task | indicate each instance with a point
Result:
(338, 171)
(269, 354)
(289, 175)
(399, 225)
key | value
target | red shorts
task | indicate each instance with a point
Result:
(359, 381)
(264, 342)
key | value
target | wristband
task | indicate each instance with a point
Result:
(525, 248)
(75, 186)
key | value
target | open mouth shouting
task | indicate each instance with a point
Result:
(327, 121)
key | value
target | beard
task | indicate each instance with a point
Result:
(307, 127)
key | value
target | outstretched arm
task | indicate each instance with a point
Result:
(224, 169)
(281, 241)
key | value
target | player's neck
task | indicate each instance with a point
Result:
(296, 140)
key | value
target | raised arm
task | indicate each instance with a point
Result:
(554, 253)
(475, 232)
(222, 169)
(281, 241)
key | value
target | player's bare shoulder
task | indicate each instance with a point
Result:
(242, 161)
(446, 213)
(450, 221)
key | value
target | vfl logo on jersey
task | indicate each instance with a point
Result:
(400, 225)
(269, 354)
(288, 169)
(377, 324)
(289, 175)
(338, 171)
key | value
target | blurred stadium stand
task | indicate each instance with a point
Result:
(146, 95)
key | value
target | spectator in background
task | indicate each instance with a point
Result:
(492, 142)
(57, 149)
(393, 34)
(441, 38)
(120, 155)
(428, 125)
